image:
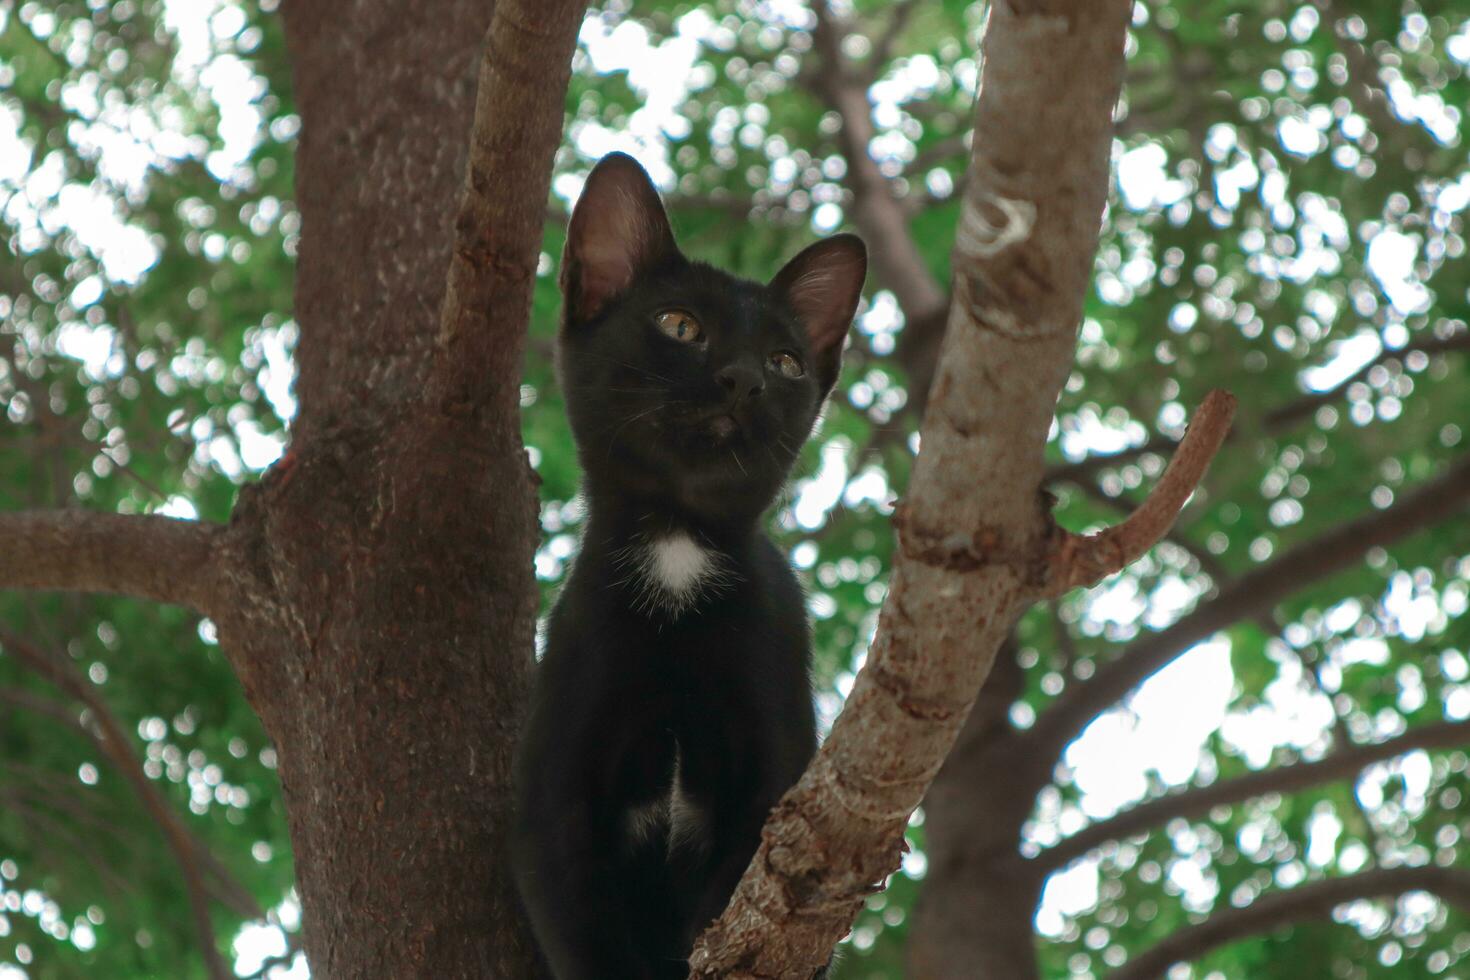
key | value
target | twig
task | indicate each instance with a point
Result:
(1300, 904)
(1208, 563)
(1275, 421)
(1435, 500)
(1341, 764)
(49, 829)
(899, 15)
(113, 740)
(876, 211)
(1081, 560)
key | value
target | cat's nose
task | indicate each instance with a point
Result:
(741, 380)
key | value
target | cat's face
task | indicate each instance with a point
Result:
(684, 383)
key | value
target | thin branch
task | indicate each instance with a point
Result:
(876, 212)
(49, 831)
(879, 214)
(1365, 88)
(942, 151)
(1081, 560)
(1274, 422)
(39, 704)
(497, 234)
(273, 962)
(1198, 800)
(1342, 735)
(113, 741)
(1304, 903)
(1433, 501)
(225, 887)
(899, 15)
(1293, 412)
(1208, 563)
(147, 556)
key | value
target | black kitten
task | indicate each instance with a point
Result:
(672, 707)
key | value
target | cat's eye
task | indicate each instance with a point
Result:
(679, 325)
(787, 365)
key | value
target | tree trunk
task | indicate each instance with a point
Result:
(973, 917)
(974, 923)
(387, 621)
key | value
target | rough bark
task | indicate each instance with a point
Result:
(1301, 904)
(375, 591)
(388, 646)
(387, 638)
(972, 550)
(149, 557)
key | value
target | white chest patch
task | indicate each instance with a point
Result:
(674, 572)
(678, 563)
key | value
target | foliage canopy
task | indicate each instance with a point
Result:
(1287, 222)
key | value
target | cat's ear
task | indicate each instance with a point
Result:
(822, 285)
(618, 231)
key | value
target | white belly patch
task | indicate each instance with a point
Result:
(674, 572)
(673, 814)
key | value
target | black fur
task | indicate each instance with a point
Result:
(636, 698)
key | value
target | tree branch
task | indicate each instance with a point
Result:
(73, 843)
(1365, 88)
(1274, 422)
(876, 212)
(112, 740)
(497, 236)
(942, 151)
(1208, 563)
(879, 214)
(1287, 415)
(1252, 593)
(899, 15)
(1304, 903)
(149, 557)
(1284, 779)
(1023, 259)
(1082, 560)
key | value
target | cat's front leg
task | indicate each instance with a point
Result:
(594, 895)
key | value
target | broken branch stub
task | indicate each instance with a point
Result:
(1080, 560)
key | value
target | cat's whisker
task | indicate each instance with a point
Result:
(627, 422)
(736, 457)
(631, 367)
(657, 390)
